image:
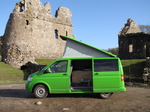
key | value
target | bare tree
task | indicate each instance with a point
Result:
(145, 28)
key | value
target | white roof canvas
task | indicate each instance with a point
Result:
(77, 49)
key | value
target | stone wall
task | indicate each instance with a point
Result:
(130, 27)
(32, 32)
(133, 44)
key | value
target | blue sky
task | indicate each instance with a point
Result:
(95, 22)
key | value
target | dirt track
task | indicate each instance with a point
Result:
(14, 98)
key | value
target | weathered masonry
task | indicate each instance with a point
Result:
(32, 32)
(133, 44)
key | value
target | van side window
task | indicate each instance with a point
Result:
(59, 66)
(105, 65)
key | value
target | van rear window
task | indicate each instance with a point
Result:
(105, 65)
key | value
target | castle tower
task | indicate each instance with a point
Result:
(32, 32)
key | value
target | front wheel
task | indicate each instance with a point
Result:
(40, 91)
(105, 95)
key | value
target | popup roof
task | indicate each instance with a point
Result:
(78, 49)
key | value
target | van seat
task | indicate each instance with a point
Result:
(77, 76)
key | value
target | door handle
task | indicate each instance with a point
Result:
(64, 74)
(96, 73)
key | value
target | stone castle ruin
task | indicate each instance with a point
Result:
(133, 44)
(32, 32)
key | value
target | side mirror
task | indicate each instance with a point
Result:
(47, 70)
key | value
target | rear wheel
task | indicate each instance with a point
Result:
(40, 91)
(105, 95)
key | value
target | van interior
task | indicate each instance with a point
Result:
(81, 75)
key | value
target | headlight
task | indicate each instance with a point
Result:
(29, 78)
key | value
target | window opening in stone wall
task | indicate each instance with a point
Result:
(66, 33)
(27, 22)
(147, 49)
(56, 34)
(145, 46)
(22, 8)
(29, 3)
(130, 48)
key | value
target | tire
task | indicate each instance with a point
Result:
(40, 91)
(105, 95)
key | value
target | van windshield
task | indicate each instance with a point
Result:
(59, 66)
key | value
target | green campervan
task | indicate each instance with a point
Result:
(82, 69)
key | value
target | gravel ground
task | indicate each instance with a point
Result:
(14, 98)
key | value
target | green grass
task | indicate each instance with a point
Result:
(134, 67)
(10, 75)
(44, 61)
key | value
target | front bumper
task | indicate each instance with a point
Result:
(29, 86)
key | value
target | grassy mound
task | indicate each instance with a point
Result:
(10, 75)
